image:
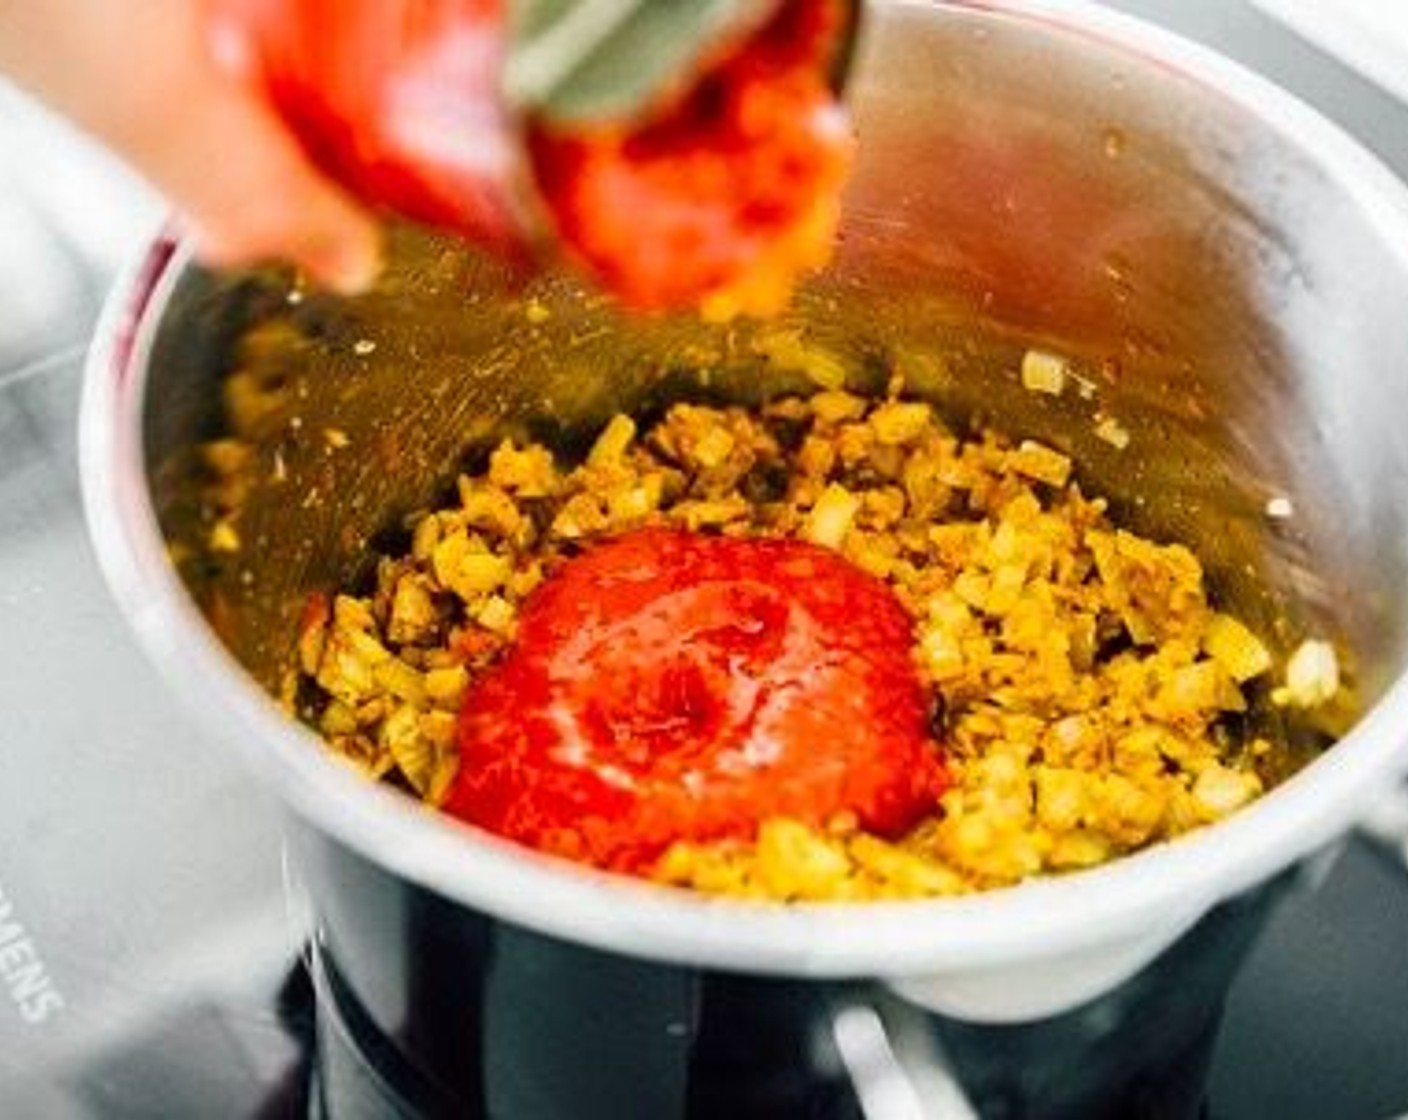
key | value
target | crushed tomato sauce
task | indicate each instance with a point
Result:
(669, 686)
(726, 193)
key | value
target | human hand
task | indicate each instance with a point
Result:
(140, 76)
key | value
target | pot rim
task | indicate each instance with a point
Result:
(1162, 887)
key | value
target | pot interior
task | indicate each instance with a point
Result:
(1227, 298)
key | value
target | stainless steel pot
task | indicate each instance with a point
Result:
(1230, 271)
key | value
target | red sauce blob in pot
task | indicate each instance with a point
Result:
(671, 686)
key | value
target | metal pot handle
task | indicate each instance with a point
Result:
(897, 1066)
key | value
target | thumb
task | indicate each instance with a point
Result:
(201, 136)
(249, 193)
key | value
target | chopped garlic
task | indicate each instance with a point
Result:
(713, 448)
(412, 617)
(795, 861)
(615, 438)
(415, 756)
(527, 473)
(1045, 464)
(498, 615)
(399, 679)
(831, 517)
(1112, 432)
(224, 537)
(1312, 676)
(1043, 372)
(1280, 509)
(1220, 789)
(466, 568)
(899, 422)
(834, 406)
(1233, 646)
(446, 686)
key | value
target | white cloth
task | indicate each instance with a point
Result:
(70, 215)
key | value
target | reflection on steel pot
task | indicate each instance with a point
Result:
(1031, 175)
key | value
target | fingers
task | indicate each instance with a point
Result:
(249, 194)
(204, 138)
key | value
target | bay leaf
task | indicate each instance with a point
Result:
(589, 61)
